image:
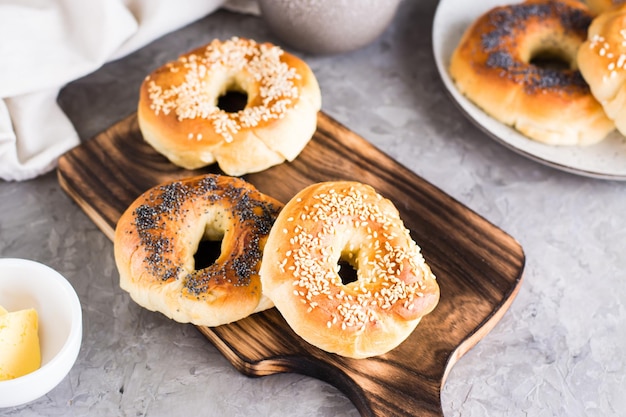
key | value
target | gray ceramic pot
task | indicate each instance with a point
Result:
(328, 26)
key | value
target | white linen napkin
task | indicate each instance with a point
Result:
(45, 44)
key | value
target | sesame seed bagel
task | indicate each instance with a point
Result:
(157, 237)
(350, 222)
(497, 65)
(602, 61)
(179, 116)
(601, 6)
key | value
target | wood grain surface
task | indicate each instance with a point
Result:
(478, 266)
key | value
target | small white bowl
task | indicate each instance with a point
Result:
(29, 284)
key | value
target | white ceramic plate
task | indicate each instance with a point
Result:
(606, 160)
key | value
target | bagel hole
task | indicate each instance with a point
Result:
(207, 253)
(347, 272)
(232, 101)
(551, 59)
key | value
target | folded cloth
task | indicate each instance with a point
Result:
(48, 43)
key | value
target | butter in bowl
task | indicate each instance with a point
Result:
(40, 330)
(20, 350)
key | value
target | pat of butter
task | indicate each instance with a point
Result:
(19, 343)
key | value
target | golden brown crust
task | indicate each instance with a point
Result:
(602, 61)
(333, 221)
(600, 6)
(491, 66)
(178, 113)
(157, 236)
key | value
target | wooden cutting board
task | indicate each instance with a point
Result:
(478, 266)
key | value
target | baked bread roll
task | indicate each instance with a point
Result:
(602, 62)
(346, 221)
(601, 6)
(157, 236)
(495, 66)
(179, 116)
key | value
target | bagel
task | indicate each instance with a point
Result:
(602, 61)
(496, 66)
(157, 236)
(180, 116)
(600, 6)
(330, 222)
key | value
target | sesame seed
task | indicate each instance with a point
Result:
(390, 275)
(612, 52)
(192, 99)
